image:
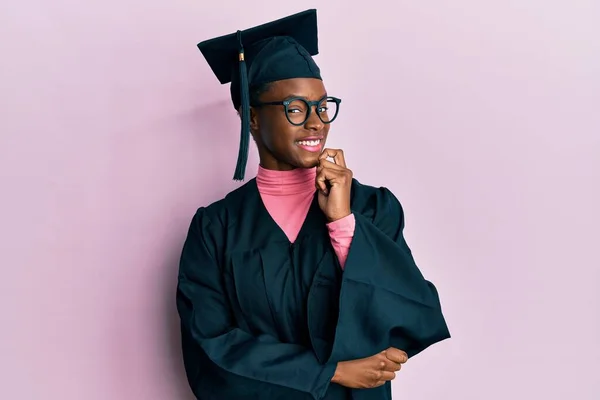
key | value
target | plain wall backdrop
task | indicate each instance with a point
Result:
(483, 117)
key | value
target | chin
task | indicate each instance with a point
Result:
(298, 158)
(309, 162)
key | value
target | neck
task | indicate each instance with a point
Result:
(274, 182)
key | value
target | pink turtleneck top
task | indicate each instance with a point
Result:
(287, 196)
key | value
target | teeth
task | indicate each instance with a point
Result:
(309, 142)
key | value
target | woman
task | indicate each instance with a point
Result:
(299, 284)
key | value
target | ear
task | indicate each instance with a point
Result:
(254, 123)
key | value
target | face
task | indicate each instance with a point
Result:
(281, 145)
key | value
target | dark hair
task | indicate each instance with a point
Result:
(257, 90)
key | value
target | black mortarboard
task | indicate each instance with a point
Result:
(274, 51)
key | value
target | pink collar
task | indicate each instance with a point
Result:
(299, 180)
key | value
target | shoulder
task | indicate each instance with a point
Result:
(377, 204)
(222, 213)
(373, 198)
(233, 202)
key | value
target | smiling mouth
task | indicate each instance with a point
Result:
(312, 145)
(309, 143)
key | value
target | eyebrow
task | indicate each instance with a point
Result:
(291, 96)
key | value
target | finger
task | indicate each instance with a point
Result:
(326, 178)
(326, 153)
(378, 383)
(389, 365)
(385, 364)
(392, 366)
(335, 174)
(381, 377)
(331, 175)
(330, 165)
(387, 376)
(320, 182)
(396, 355)
(336, 154)
(344, 174)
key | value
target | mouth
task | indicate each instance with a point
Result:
(312, 144)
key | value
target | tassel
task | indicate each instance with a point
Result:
(242, 160)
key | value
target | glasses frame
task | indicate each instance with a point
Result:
(286, 104)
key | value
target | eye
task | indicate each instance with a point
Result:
(323, 109)
(295, 110)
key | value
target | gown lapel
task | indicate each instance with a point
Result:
(323, 286)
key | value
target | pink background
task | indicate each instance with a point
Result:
(483, 117)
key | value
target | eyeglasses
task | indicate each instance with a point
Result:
(298, 109)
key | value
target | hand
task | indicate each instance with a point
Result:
(334, 182)
(370, 372)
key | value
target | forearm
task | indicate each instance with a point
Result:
(341, 233)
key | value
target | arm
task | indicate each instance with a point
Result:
(206, 316)
(341, 233)
(385, 301)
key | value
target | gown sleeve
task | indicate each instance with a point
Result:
(384, 300)
(207, 317)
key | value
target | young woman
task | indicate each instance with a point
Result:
(299, 284)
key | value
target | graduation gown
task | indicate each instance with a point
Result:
(263, 318)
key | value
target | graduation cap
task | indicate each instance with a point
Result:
(274, 51)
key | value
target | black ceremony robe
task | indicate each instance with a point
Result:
(263, 318)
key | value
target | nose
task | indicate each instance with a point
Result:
(313, 122)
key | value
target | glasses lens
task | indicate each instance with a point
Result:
(297, 111)
(328, 110)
